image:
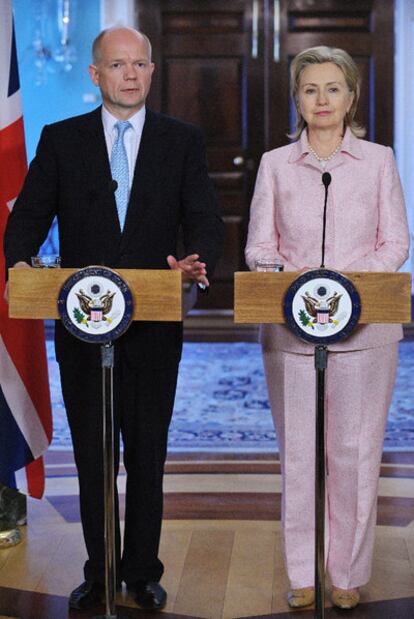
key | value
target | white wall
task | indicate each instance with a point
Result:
(404, 108)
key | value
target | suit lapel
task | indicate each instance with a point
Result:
(98, 173)
(153, 149)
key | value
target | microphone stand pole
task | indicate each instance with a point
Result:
(107, 358)
(321, 361)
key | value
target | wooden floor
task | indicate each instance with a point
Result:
(220, 544)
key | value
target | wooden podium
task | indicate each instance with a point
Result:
(385, 297)
(156, 293)
(157, 296)
(258, 298)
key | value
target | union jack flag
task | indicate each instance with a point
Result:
(25, 412)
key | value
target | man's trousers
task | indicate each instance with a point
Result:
(143, 403)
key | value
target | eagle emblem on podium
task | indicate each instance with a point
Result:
(322, 310)
(95, 305)
(95, 308)
(321, 306)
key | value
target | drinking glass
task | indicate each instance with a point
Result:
(268, 264)
(48, 261)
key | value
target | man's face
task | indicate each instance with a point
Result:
(123, 72)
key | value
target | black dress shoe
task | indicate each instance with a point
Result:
(148, 595)
(87, 595)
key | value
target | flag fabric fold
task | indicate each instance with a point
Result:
(25, 411)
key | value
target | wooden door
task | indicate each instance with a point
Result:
(208, 72)
(224, 65)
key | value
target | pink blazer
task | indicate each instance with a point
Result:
(366, 224)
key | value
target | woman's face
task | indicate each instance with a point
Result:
(324, 97)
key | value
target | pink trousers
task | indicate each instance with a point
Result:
(358, 394)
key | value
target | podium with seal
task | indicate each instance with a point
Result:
(97, 304)
(321, 307)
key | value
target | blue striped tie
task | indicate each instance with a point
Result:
(120, 171)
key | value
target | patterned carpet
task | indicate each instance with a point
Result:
(222, 402)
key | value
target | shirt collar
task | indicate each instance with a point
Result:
(350, 144)
(137, 120)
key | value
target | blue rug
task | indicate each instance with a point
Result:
(222, 402)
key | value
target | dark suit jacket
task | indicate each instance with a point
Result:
(70, 177)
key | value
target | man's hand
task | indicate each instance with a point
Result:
(21, 265)
(191, 268)
(18, 265)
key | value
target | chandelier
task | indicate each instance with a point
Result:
(51, 49)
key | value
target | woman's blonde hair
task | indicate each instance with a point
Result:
(320, 55)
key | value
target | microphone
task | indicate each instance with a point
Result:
(326, 180)
(98, 193)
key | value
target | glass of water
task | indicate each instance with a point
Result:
(268, 264)
(48, 261)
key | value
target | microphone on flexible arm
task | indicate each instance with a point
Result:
(326, 180)
(99, 193)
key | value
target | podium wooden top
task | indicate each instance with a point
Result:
(385, 297)
(156, 293)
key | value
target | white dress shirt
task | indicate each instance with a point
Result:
(132, 137)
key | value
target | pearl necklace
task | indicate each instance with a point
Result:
(333, 153)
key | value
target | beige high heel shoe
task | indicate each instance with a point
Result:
(297, 598)
(345, 598)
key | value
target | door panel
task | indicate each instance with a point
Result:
(203, 81)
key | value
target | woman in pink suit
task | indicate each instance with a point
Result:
(366, 230)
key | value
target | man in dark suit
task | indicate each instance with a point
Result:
(168, 188)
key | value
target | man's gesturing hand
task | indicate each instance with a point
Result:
(191, 267)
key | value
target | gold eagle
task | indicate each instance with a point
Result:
(312, 305)
(87, 303)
